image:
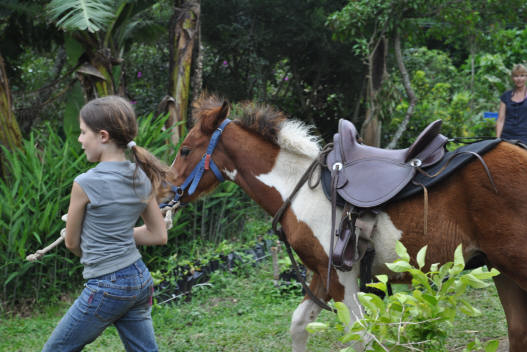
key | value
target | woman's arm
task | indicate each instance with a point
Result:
(78, 201)
(501, 119)
(154, 231)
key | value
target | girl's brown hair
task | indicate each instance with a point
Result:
(116, 115)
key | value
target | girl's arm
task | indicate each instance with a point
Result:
(78, 201)
(154, 231)
(501, 119)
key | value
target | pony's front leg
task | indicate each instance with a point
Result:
(343, 287)
(305, 313)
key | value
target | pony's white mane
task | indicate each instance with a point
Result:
(295, 136)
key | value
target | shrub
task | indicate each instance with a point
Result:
(416, 320)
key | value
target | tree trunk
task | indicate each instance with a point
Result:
(407, 86)
(371, 128)
(183, 34)
(197, 78)
(10, 135)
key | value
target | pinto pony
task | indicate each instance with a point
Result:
(266, 154)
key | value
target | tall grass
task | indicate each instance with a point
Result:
(34, 194)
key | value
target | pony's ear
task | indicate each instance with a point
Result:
(215, 118)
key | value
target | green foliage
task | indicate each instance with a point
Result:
(363, 22)
(507, 43)
(281, 52)
(33, 198)
(443, 92)
(421, 318)
(147, 75)
(90, 15)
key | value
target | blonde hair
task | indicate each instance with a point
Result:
(518, 69)
(117, 116)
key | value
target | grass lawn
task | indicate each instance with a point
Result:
(239, 312)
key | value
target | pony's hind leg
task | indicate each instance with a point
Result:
(305, 313)
(514, 301)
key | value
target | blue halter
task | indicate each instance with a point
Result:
(205, 163)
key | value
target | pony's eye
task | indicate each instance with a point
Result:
(184, 151)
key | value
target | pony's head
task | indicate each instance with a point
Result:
(250, 144)
(208, 114)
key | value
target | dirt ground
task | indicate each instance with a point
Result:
(504, 345)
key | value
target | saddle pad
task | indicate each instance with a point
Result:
(410, 189)
(456, 163)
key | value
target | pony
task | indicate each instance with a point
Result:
(265, 154)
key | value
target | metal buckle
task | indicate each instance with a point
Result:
(337, 166)
(415, 162)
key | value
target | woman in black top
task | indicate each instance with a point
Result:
(512, 116)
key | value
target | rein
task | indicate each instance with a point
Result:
(308, 174)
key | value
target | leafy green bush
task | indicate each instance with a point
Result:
(420, 319)
(444, 92)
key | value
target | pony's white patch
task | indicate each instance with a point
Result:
(309, 205)
(295, 137)
(231, 174)
(385, 236)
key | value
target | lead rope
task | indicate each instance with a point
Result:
(168, 210)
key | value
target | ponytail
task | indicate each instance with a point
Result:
(154, 169)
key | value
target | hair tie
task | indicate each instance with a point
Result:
(131, 144)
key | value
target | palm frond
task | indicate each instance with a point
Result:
(91, 15)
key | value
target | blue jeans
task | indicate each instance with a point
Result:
(122, 298)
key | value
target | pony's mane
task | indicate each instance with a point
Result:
(266, 121)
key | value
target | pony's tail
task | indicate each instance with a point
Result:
(154, 169)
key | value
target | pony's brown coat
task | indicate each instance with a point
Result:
(463, 209)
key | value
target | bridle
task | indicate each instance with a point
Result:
(206, 163)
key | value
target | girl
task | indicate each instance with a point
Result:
(104, 207)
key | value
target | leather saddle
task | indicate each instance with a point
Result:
(368, 177)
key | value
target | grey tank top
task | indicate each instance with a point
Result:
(117, 198)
